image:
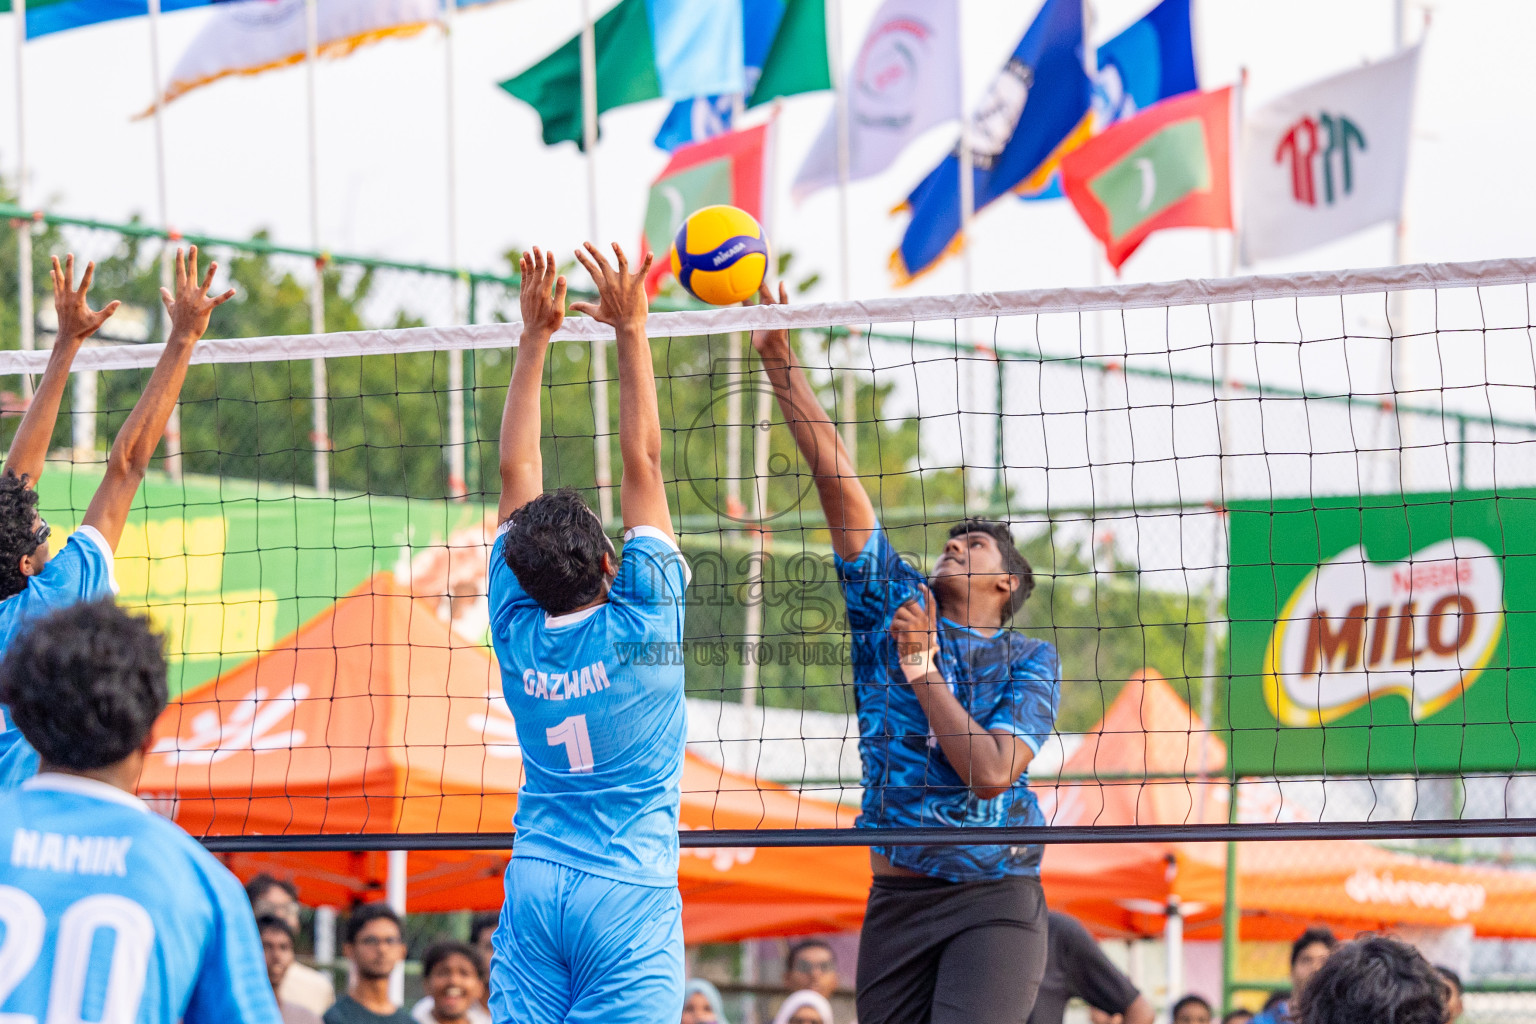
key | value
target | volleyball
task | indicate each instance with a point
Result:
(720, 255)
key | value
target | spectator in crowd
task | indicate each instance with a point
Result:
(1237, 1016)
(1453, 1007)
(277, 947)
(1075, 967)
(1374, 980)
(456, 979)
(481, 928)
(804, 1007)
(811, 964)
(1308, 953)
(702, 1003)
(302, 985)
(375, 943)
(1192, 1010)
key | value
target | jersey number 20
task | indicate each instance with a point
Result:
(572, 734)
(25, 928)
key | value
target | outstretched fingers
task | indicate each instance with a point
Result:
(90, 275)
(56, 274)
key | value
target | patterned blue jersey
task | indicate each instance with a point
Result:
(1007, 681)
(112, 913)
(82, 571)
(598, 700)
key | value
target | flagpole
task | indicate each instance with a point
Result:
(849, 397)
(602, 449)
(1396, 366)
(167, 281)
(967, 285)
(319, 428)
(457, 487)
(23, 225)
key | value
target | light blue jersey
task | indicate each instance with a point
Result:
(108, 912)
(598, 700)
(82, 571)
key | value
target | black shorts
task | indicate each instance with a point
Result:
(937, 952)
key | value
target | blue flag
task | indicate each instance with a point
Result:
(704, 117)
(1152, 60)
(1041, 95)
(44, 17)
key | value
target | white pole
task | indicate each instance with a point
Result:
(849, 397)
(1397, 366)
(457, 487)
(1173, 943)
(757, 581)
(969, 368)
(325, 936)
(24, 309)
(319, 427)
(167, 280)
(394, 895)
(602, 450)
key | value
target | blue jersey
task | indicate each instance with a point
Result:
(1007, 681)
(80, 572)
(598, 700)
(112, 913)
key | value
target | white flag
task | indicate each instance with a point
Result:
(1327, 160)
(247, 37)
(905, 80)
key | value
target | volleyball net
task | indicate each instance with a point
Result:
(1282, 530)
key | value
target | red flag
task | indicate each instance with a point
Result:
(726, 169)
(1167, 167)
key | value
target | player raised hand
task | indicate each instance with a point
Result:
(191, 306)
(915, 628)
(772, 343)
(77, 321)
(542, 295)
(621, 295)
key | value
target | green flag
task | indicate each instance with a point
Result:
(626, 73)
(797, 61)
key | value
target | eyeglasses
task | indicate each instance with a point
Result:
(41, 534)
(815, 966)
(379, 941)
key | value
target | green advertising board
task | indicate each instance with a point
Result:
(226, 568)
(1383, 634)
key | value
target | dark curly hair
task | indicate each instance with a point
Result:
(444, 948)
(1013, 560)
(85, 685)
(555, 546)
(18, 508)
(365, 914)
(1373, 980)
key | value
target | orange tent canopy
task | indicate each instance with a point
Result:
(1121, 889)
(374, 717)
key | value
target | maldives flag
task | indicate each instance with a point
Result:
(727, 169)
(1167, 167)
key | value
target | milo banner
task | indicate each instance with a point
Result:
(226, 568)
(1384, 634)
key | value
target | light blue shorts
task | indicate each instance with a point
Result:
(573, 947)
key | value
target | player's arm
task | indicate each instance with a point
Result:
(128, 461)
(542, 298)
(989, 761)
(77, 321)
(622, 304)
(845, 503)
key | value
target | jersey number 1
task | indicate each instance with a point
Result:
(572, 734)
(25, 927)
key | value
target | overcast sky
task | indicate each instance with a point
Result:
(236, 156)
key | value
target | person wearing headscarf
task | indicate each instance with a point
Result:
(804, 1007)
(702, 1003)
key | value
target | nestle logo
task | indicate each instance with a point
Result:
(735, 250)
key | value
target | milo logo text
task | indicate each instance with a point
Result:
(1354, 631)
